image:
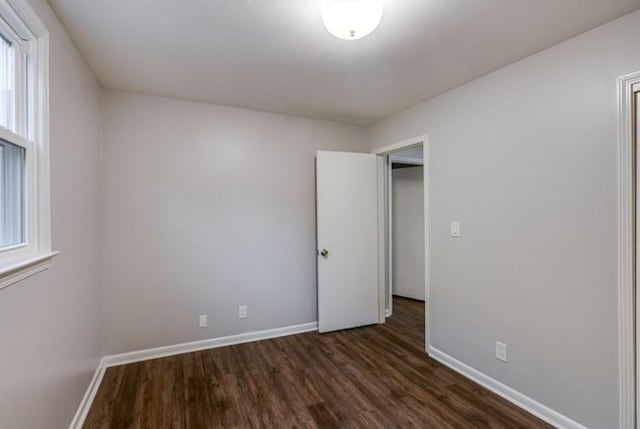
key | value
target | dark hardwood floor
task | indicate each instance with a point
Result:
(372, 377)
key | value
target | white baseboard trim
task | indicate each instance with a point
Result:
(532, 406)
(175, 349)
(194, 346)
(89, 395)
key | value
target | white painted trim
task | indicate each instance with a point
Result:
(386, 151)
(212, 343)
(389, 231)
(36, 139)
(403, 145)
(28, 16)
(406, 160)
(14, 138)
(25, 268)
(172, 350)
(519, 399)
(89, 396)
(626, 253)
(382, 267)
(427, 239)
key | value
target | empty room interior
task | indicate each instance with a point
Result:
(319, 214)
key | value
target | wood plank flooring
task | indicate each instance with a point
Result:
(372, 377)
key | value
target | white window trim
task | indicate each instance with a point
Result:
(20, 262)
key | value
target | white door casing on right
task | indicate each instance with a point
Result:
(347, 222)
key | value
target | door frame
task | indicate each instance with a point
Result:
(628, 251)
(384, 222)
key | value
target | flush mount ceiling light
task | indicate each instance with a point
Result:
(352, 19)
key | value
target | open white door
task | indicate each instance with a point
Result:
(347, 210)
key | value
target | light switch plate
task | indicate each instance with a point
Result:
(455, 229)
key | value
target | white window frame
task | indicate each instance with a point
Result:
(20, 22)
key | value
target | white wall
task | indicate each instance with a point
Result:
(49, 324)
(525, 159)
(408, 232)
(206, 208)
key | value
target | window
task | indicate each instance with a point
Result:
(6, 105)
(12, 195)
(25, 246)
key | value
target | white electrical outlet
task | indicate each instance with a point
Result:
(243, 312)
(501, 351)
(203, 320)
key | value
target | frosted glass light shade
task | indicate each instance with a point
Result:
(352, 19)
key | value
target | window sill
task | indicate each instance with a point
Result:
(17, 271)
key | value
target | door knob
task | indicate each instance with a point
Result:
(324, 253)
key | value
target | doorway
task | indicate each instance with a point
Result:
(404, 227)
(406, 203)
